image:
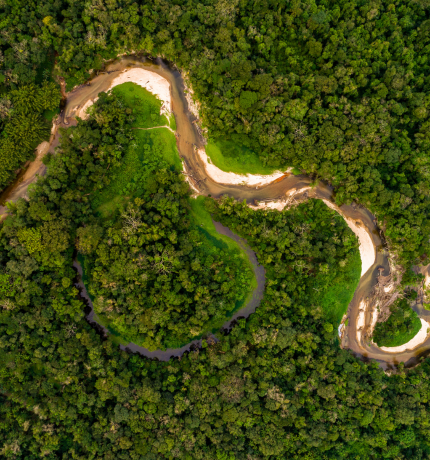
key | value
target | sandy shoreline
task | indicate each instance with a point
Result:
(151, 81)
(366, 247)
(414, 342)
(222, 177)
(280, 205)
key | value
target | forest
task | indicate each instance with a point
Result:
(156, 277)
(277, 386)
(337, 89)
(401, 326)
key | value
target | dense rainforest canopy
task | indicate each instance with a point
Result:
(278, 385)
(339, 89)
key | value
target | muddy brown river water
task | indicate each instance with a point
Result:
(188, 139)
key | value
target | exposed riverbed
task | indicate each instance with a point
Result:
(284, 191)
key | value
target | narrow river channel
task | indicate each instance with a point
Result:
(165, 355)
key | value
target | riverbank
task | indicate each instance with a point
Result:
(35, 169)
(249, 180)
(421, 337)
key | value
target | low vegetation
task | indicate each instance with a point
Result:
(144, 105)
(231, 156)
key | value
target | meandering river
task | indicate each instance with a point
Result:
(165, 355)
(188, 141)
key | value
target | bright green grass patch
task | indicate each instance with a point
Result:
(334, 297)
(150, 151)
(233, 157)
(401, 326)
(172, 121)
(203, 220)
(145, 105)
(48, 115)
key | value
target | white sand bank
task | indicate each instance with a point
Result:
(361, 319)
(151, 81)
(82, 112)
(413, 343)
(367, 249)
(375, 315)
(223, 177)
(280, 205)
(193, 106)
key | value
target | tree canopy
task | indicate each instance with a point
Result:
(340, 90)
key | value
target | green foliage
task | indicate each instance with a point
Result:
(147, 152)
(88, 238)
(401, 326)
(50, 114)
(25, 131)
(6, 286)
(145, 105)
(277, 386)
(327, 263)
(32, 99)
(247, 99)
(335, 296)
(336, 89)
(158, 281)
(31, 238)
(27, 125)
(234, 157)
(157, 277)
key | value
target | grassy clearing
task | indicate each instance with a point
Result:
(151, 150)
(172, 121)
(334, 297)
(203, 221)
(48, 115)
(233, 157)
(146, 106)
